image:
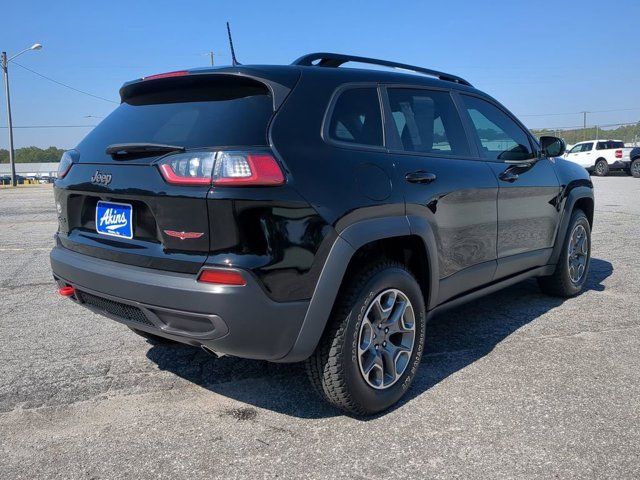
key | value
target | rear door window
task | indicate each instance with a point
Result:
(499, 136)
(356, 117)
(427, 122)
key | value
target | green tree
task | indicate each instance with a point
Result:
(626, 133)
(33, 155)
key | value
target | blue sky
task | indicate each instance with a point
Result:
(538, 58)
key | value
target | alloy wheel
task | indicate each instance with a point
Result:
(578, 253)
(386, 339)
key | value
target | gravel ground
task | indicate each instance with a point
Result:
(516, 384)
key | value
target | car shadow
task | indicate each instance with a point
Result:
(455, 339)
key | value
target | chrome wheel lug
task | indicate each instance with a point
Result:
(386, 330)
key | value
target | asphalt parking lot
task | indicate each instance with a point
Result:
(516, 384)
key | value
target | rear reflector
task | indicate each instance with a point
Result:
(177, 73)
(222, 277)
(66, 291)
(618, 153)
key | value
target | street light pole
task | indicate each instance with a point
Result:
(5, 75)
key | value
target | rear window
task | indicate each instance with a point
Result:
(192, 112)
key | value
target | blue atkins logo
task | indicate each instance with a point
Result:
(114, 219)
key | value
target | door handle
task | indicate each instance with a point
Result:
(420, 177)
(508, 176)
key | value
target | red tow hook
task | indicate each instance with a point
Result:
(66, 291)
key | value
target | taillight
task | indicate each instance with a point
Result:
(66, 162)
(237, 169)
(222, 277)
(225, 168)
(618, 153)
(189, 168)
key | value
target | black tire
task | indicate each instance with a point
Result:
(601, 168)
(634, 168)
(334, 368)
(560, 283)
(151, 338)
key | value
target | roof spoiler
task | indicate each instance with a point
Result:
(278, 87)
(335, 60)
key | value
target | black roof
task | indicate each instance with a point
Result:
(330, 65)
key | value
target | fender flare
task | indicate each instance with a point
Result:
(344, 247)
(574, 194)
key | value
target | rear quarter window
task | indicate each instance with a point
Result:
(608, 145)
(356, 118)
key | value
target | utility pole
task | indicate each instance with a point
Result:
(211, 54)
(5, 74)
(584, 125)
(597, 132)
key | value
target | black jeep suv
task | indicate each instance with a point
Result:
(313, 213)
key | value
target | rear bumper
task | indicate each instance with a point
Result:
(619, 164)
(240, 321)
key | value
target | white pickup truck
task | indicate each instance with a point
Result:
(602, 156)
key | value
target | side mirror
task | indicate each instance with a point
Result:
(552, 146)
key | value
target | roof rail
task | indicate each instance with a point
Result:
(323, 59)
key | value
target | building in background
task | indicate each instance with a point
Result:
(29, 173)
(31, 170)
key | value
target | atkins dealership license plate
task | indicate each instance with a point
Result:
(114, 219)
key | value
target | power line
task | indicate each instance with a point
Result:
(211, 54)
(579, 113)
(64, 84)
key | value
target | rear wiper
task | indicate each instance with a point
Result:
(122, 151)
